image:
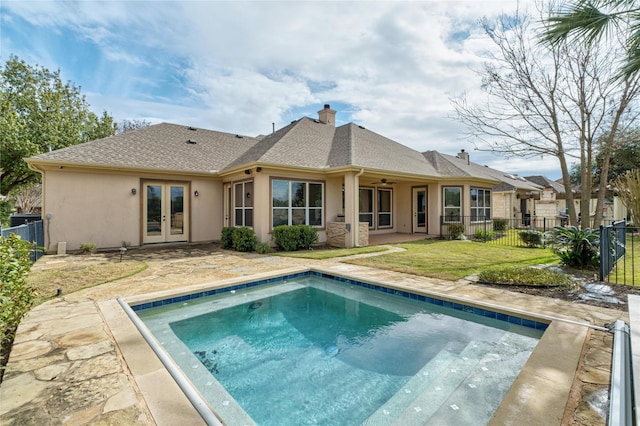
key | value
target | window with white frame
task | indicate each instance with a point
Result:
(384, 208)
(297, 203)
(366, 206)
(480, 204)
(243, 203)
(452, 197)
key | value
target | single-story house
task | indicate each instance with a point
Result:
(173, 183)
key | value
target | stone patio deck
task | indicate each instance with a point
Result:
(67, 367)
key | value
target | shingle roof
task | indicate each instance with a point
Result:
(306, 143)
(547, 183)
(311, 143)
(449, 165)
(158, 147)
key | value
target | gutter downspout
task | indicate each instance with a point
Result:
(356, 205)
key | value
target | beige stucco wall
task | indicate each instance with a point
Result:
(92, 206)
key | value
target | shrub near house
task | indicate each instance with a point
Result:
(16, 298)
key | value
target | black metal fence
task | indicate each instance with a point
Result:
(32, 232)
(496, 231)
(619, 253)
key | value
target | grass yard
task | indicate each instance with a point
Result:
(46, 282)
(452, 260)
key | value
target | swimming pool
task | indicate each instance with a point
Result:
(371, 367)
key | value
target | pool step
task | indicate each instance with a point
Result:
(396, 405)
(480, 394)
(423, 395)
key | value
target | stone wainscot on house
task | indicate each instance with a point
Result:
(173, 183)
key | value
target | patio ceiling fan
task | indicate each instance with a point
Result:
(383, 182)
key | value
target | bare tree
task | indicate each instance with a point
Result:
(29, 199)
(628, 188)
(129, 125)
(548, 101)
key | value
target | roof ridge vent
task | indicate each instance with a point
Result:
(191, 142)
(193, 128)
(315, 120)
(239, 136)
(362, 127)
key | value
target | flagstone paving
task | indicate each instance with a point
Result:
(67, 368)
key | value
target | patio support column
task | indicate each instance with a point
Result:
(351, 207)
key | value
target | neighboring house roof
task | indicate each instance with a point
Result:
(449, 165)
(545, 182)
(159, 147)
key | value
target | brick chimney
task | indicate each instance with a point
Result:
(463, 155)
(327, 115)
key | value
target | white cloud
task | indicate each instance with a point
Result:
(239, 66)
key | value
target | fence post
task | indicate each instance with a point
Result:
(604, 258)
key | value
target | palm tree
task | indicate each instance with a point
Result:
(589, 20)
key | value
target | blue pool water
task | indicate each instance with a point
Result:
(317, 351)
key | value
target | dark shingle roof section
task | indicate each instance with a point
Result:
(158, 147)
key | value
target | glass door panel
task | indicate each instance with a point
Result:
(420, 210)
(177, 225)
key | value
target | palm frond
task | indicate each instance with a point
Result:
(584, 21)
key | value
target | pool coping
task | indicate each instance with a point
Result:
(541, 390)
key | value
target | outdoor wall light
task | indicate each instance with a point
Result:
(133, 191)
(247, 172)
(196, 193)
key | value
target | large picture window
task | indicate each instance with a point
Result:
(297, 203)
(243, 203)
(480, 204)
(452, 204)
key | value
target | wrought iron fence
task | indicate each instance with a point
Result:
(32, 232)
(512, 232)
(619, 253)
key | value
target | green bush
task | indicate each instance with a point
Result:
(576, 247)
(286, 237)
(500, 225)
(308, 236)
(481, 234)
(88, 248)
(456, 230)
(244, 239)
(524, 275)
(531, 238)
(294, 237)
(16, 297)
(226, 238)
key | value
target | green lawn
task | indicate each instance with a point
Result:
(452, 260)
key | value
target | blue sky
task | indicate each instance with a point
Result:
(239, 66)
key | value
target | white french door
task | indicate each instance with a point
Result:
(165, 212)
(420, 210)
